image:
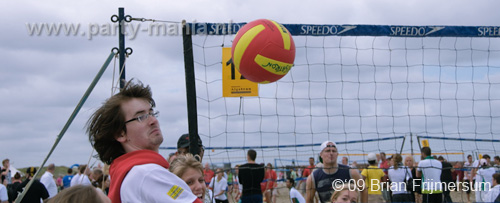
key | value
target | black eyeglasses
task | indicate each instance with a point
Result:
(144, 117)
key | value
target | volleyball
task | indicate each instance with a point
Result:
(263, 51)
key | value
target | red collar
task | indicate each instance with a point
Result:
(123, 164)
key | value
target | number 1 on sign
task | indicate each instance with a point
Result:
(233, 83)
(233, 69)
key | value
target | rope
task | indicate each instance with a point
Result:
(68, 123)
(154, 20)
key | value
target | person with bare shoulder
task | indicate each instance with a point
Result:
(322, 180)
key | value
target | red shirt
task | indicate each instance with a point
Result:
(269, 180)
(457, 172)
(384, 166)
(123, 164)
(209, 174)
(307, 171)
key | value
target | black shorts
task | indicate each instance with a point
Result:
(468, 186)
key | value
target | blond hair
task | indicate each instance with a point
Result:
(182, 162)
(77, 194)
(412, 160)
(339, 188)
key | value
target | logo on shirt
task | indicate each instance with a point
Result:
(175, 192)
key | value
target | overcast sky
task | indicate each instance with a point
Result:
(44, 77)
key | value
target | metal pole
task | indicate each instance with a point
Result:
(411, 144)
(190, 90)
(402, 145)
(121, 44)
(419, 145)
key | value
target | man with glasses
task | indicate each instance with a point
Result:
(126, 134)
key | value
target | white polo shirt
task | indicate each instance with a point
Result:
(3, 193)
(153, 183)
(296, 194)
(74, 180)
(493, 194)
(82, 180)
(484, 180)
(475, 165)
(431, 175)
(48, 181)
(468, 168)
(397, 177)
(218, 187)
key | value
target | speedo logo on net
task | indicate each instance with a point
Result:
(92, 30)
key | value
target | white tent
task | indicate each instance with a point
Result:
(14, 170)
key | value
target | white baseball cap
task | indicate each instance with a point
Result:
(482, 162)
(372, 157)
(325, 145)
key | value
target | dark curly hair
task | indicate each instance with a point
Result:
(108, 121)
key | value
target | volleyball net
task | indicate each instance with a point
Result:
(369, 88)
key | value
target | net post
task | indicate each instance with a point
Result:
(121, 45)
(190, 90)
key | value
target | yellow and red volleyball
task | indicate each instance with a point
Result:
(263, 51)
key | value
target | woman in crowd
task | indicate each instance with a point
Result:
(399, 175)
(345, 193)
(97, 178)
(16, 181)
(417, 194)
(105, 186)
(191, 171)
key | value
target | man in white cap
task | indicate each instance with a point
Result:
(484, 180)
(323, 180)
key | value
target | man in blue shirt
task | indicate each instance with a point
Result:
(67, 178)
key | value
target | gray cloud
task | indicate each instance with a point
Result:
(43, 77)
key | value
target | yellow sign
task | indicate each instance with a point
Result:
(233, 83)
(175, 191)
(425, 143)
